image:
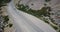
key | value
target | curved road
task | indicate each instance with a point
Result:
(24, 22)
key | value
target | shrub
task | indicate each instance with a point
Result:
(10, 25)
(47, 0)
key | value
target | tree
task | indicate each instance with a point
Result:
(4, 2)
(43, 11)
(6, 19)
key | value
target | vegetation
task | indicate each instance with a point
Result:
(10, 25)
(5, 22)
(49, 8)
(38, 13)
(59, 31)
(54, 27)
(47, 0)
(4, 2)
(6, 19)
(46, 20)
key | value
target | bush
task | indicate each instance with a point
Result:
(49, 8)
(6, 19)
(54, 27)
(43, 11)
(47, 0)
(4, 2)
(10, 25)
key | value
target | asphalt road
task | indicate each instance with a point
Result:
(24, 22)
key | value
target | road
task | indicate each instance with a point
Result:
(24, 22)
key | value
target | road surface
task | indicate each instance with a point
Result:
(24, 22)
